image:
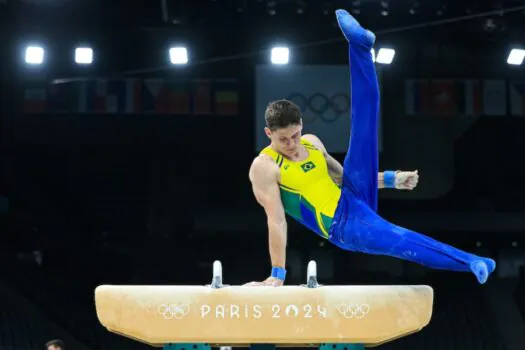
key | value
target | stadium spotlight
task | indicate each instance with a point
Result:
(84, 55)
(178, 55)
(516, 57)
(34, 55)
(385, 56)
(280, 55)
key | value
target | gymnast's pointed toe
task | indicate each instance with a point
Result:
(353, 31)
(491, 264)
(481, 270)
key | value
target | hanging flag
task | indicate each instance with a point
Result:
(417, 99)
(127, 96)
(226, 98)
(468, 97)
(130, 106)
(116, 95)
(226, 102)
(35, 100)
(177, 98)
(517, 98)
(495, 97)
(63, 97)
(443, 98)
(153, 96)
(202, 97)
(96, 96)
(135, 92)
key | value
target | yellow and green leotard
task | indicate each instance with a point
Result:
(308, 193)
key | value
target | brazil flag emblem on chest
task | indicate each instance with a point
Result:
(307, 166)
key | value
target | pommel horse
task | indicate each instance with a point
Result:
(200, 317)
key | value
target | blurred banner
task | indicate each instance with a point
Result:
(321, 91)
(495, 97)
(452, 98)
(133, 96)
(517, 98)
(443, 97)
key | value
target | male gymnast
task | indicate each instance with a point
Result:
(296, 175)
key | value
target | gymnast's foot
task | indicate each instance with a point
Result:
(353, 31)
(491, 264)
(481, 270)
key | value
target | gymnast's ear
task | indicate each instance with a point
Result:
(268, 132)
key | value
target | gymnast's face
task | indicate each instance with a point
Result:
(286, 140)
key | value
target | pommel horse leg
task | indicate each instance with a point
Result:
(198, 317)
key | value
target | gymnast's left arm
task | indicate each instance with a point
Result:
(400, 180)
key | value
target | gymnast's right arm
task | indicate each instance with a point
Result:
(264, 176)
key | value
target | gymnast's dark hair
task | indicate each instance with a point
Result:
(282, 114)
(57, 343)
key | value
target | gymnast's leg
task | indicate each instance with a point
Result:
(367, 232)
(360, 228)
(361, 161)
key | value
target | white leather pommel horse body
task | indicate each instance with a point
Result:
(306, 315)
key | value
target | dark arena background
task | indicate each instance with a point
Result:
(124, 165)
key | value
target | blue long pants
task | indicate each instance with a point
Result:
(356, 225)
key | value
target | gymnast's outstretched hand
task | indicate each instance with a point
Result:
(270, 281)
(406, 180)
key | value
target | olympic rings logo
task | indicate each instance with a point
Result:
(177, 311)
(353, 310)
(329, 109)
